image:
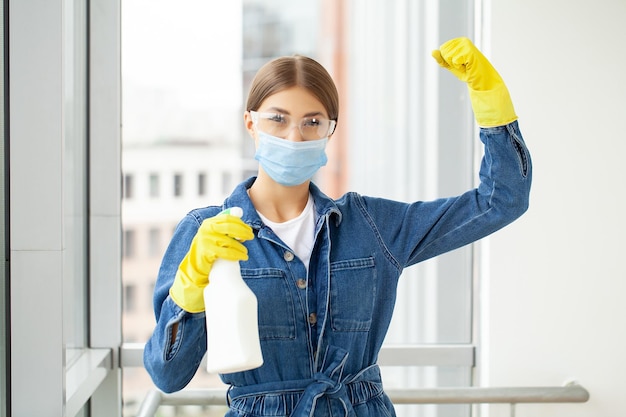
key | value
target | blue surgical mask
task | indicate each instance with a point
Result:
(290, 163)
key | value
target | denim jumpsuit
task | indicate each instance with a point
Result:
(321, 331)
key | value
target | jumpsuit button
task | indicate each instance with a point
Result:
(288, 256)
(312, 318)
(301, 283)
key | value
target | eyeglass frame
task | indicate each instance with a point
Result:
(331, 126)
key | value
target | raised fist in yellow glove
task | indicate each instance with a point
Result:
(489, 96)
(217, 237)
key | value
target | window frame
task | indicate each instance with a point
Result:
(90, 384)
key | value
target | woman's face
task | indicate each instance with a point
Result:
(294, 102)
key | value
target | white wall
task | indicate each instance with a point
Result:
(555, 280)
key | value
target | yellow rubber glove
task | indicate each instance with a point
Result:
(490, 98)
(217, 237)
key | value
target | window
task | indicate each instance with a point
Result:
(128, 244)
(227, 182)
(128, 187)
(202, 184)
(74, 181)
(63, 103)
(154, 242)
(130, 295)
(397, 104)
(178, 185)
(154, 185)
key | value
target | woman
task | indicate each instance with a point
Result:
(324, 271)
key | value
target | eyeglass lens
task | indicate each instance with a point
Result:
(280, 125)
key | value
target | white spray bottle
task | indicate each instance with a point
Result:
(231, 318)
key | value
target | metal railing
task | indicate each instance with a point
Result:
(390, 355)
(414, 355)
(570, 393)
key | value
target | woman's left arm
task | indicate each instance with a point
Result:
(414, 232)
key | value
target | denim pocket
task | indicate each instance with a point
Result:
(276, 310)
(352, 294)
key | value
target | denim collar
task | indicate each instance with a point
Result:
(324, 205)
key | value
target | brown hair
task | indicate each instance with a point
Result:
(291, 71)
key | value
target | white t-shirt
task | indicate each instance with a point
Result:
(298, 233)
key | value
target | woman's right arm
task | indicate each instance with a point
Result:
(175, 349)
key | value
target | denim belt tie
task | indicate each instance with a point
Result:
(328, 382)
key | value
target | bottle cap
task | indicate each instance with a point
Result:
(233, 211)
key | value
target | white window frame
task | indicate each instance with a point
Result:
(41, 383)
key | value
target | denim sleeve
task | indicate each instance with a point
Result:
(414, 232)
(173, 361)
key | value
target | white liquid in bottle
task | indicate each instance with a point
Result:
(231, 319)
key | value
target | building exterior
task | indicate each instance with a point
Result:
(193, 162)
(162, 182)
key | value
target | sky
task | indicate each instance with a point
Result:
(181, 69)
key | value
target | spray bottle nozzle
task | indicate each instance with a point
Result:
(233, 211)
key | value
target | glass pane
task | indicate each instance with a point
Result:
(75, 180)
(182, 123)
(127, 186)
(154, 185)
(412, 109)
(154, 242)
(201, 184)
(178, 185)
(182, 116)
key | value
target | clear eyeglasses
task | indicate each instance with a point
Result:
(280, 125)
